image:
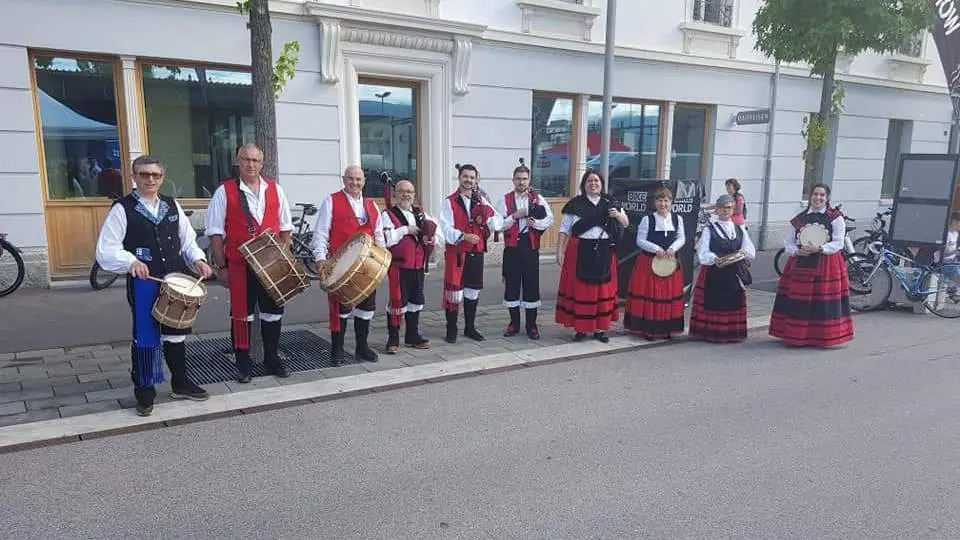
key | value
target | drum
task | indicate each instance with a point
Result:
(179, 300)
(356, 269)
(664, 266)
(813, 235)
(282, 276)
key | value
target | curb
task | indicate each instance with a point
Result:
(73, 429)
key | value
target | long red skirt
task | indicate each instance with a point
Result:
(715, 326)
(655, 304)
(812, 308)
(585, 307)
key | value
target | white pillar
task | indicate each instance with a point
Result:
(581, 123)
(667, 124)
(134, 108)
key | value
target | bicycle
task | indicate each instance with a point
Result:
(10, 254)
(780, 259)
(871, 281)
(302, 237)
(877, 235)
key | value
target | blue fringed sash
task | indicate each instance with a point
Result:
(146, 334)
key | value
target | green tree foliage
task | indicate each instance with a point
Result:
(817, 31)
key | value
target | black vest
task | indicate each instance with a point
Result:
(156, 244)
(818, 217)
(662, 238)
(721, 245)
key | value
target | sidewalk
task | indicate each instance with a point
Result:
(69, 382)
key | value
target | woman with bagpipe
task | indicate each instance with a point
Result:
(655, 302)
(592, 224)
(720, 297)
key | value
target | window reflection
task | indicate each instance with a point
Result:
(388, 134)
(196, 118)
(78, 119)
(634, 139)
(552, 140)
(689, 132)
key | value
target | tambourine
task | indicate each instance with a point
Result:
(664, 266)
(813, 235)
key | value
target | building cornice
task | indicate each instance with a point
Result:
(400, 21)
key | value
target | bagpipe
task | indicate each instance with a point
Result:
(427, 227)
(480, 212)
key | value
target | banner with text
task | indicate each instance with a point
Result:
(946, 34)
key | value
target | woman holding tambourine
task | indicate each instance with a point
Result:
(720, 297)
(812, 308)
(655, 303)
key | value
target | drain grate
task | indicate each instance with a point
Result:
(211, 360)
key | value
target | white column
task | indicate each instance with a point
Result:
(667, 124)
(134, 108)
(581, 123)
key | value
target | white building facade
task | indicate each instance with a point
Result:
(415, 86)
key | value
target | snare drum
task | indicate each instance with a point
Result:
(356, 270)
(281, 275)
(179, 301)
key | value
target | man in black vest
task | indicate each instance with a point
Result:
(147, 234)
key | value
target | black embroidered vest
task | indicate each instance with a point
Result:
(662, 238)
(155, 242)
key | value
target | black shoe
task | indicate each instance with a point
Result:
(278, 370)
(469, 320)
(366, 354)
(188, 390)
(244, 378)
(533, 333)
(451, 327)
(601, 337)
(361, 329)
(473, 334)
(144, 410)
(579, 336)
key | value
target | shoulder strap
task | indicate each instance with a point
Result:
(245, 206)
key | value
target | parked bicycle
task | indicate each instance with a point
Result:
(302, 237)
(871, 282)
(781, 258)
(877, 235)
(12, 270)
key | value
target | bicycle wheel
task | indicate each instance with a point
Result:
(870, 287)
(945, 300)
(101, 279)
(302, 252)
(12, 270)
(780, 261)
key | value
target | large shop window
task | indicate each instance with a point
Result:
(689, 139)
(389, 133)
(552, 143)
(78, 120)
(196, 118)
(634, 139)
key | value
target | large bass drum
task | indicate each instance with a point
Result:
(280, 274)
(356, 269)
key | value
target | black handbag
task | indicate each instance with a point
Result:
(743, 274)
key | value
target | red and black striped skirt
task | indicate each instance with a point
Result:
(585, 307)
(812, 308)
(719, 312)
(655, 304)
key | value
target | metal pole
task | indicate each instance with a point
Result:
(768, 162)
(610, 47)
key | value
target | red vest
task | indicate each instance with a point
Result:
(408, 253)
(461, 222)
(512, 235)
(344, 223)
(235, 223)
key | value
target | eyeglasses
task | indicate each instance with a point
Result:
(150, 175)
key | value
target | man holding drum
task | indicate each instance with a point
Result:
(147, 235)
(241, 209)
(404, 230)
(339, 217)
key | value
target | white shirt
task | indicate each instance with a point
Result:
(392, 236)
(523, 203)
(569, 220)
(452, 235)
(215, 220)
(729, 229)
(113, 258)
(321, 230)
(661, 224)
(838, 225)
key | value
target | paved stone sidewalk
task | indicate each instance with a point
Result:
(59, 383)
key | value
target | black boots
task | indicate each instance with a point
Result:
(393, 340)
(270, 331)
(412, 336)
(469, 319)
(451, 326)
(362, 330)
(180, 386)
(514, 327)
(336, 342)
(242, 356)
(532, 331)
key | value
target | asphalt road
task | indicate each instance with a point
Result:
(683, 441)
(33, 319)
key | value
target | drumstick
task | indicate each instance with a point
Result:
(155, 279)
(195, 283)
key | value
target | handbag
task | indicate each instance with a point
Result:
(743, 274)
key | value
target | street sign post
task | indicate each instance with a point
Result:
(760, 116)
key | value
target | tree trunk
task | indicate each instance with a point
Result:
(264, 109)
(826, 116)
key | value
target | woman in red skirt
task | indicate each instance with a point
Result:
(589, 230)
(719, 300)
(655, 304)
(812, 308)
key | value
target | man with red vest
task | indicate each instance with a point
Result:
(340, 216)
(527, 215)
(405, 238)
(466, 221)
(241, 209)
